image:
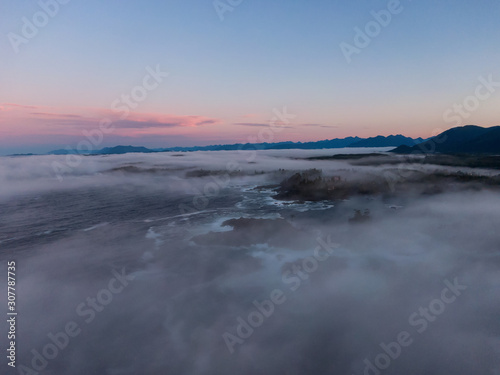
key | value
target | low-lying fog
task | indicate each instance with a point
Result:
(186, 263)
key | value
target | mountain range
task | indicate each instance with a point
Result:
(469, 139)
(107, 151)
(379, 141)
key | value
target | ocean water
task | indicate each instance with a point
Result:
(185, 265)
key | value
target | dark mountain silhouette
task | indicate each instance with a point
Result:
(62, 152)
(380, 141)
(327, 143)
(465, 139)
(122, 150)
(104, 151)
(390, 141)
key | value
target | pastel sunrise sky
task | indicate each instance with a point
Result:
(229, 67)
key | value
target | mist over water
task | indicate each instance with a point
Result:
(187, 263)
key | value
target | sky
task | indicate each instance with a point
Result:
(198, 72)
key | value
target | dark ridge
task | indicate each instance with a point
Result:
(470, 139)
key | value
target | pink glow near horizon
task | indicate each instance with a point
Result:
(31, 124)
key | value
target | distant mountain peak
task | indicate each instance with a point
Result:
(462, 139)
(378, 141)
(123, 150)
(389, 141)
